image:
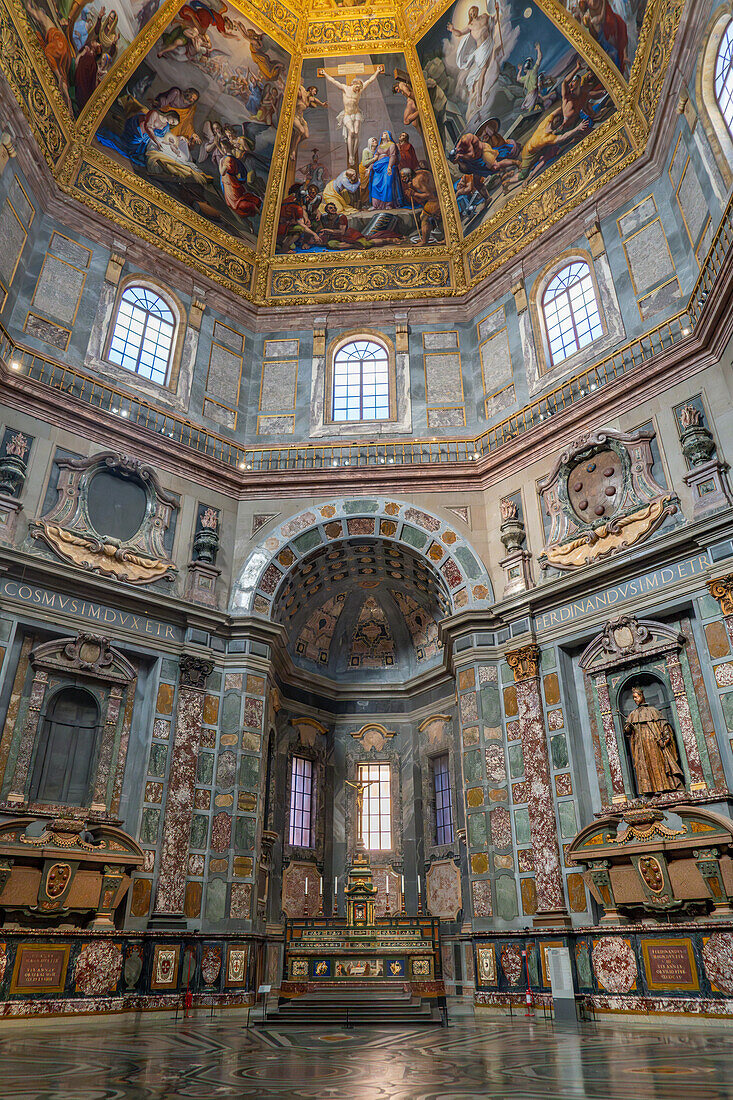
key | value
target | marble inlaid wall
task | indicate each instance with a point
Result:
(223, 376)
(16, 215)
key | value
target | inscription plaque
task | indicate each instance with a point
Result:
(670, 964)
(40, 967)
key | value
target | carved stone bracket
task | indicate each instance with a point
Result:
(195, 671)
(721, 589)
(524, 662)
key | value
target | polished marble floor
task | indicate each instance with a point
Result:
(154, 1058)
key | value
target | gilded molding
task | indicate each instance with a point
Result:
(366, 30)
(32, 85)
(157, 225)
(656, 55)
(399, 280)
(267, 237)
(558, 196)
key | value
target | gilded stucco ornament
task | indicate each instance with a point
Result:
(602, 497)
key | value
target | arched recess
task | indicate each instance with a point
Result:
(714, 125)
(461, 571)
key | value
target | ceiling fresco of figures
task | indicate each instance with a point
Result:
(82, 41)
(358, 175)
(515, 98)
(294, 151)
(198, 117)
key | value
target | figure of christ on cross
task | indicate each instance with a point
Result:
(360, 786)
(351, 118)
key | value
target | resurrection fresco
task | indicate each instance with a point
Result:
(510, 97)
(358, 175)
(81, 41)
(199, 116)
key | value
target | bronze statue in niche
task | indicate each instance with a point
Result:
(653, 750)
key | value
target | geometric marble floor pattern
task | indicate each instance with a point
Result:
(148, 1058)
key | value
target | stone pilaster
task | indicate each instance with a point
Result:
(194, 672)
(28, 737)
(551, 908)
(101, 782)
(490, 850)
(618, 790)
(687, 729)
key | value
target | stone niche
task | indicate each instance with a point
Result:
(62, 873)
(659, 864)
(630, 654)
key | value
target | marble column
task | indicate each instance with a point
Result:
(551, 907)
(194, 672)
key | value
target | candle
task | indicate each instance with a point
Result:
(335, 885)
(306, 886)
(402, 883)
(418, 884)
(320, 885)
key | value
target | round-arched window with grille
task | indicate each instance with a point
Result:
(142, 337)
(724, 77)
(361, 381)
(571, 311)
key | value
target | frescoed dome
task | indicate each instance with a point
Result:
(324, 151)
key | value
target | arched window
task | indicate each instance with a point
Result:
(724, 76)
(571, 311)
(142, 338)
(361, 381)
(67, 749)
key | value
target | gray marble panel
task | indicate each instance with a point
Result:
(642, 213)
(661, 298)
(225, 371)
(19, 199)
(275, 425)
(44, 330)
(492, 323)
(69, 250)
(648, 257)
(496, 361)
(434, 341)
(693, 203)
(227, 336)
(281, 349)
(13, 236)
(443, 379)
(446, 418)
(677, 164)
(226, 417)
(58, 289)
(277, 391)
(500, 402)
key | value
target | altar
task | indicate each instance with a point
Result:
(362, 949)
